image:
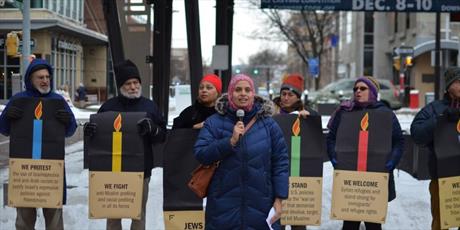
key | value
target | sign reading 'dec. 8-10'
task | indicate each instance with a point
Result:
(365, 5)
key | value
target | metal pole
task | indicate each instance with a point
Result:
(25, 35)
(268, 82)
(437, 62)
(194, 45)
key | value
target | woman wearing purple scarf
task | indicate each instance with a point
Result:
(365, 96)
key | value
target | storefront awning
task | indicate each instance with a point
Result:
(87, 36)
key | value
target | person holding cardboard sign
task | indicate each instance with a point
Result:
(194, 116)
(252, 176)
(423, 128)
(290, 100)
(152, 128)
(366, 98)
(39, 82)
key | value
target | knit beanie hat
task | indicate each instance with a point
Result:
(125, 71)
(294, 83)
(373, 85)
(231, 87)
(452, 74)
(214, 80)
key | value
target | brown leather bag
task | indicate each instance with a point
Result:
(202, 175)
(201, 178)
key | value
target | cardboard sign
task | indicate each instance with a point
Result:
(306, 150)
(304, 204)
(449, 201)
(116, 163)
(115, 195)
(38, 134)
(184, 219)
(447, 147)
(359, 196)
(366, 130)
(111, 149)
(309, 144)
(35, 183)
(181, 206)
(447, 150)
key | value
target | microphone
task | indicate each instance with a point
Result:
(240, 114)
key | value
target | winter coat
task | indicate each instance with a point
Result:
(192, 115)
(422, 130)
(142, 104)
(298, 106)
(397, 142)
(251, 174)
(32, 92)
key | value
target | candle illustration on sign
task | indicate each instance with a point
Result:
(37, 132)
(363, 143)
(458, 130)
(116, 145)
(295, 148)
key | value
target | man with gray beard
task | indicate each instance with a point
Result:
(152, 128)
(38, 81)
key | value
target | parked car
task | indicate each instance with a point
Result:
(335, 92)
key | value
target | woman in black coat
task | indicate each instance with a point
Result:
(195, 115)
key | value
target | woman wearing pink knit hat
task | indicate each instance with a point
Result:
(194, 116)
(252, 176)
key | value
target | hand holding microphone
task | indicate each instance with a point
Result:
(238, 129)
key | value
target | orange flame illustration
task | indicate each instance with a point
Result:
(458, 126)
(365, 122)
(38, 111)
(296, 127)
(117, 123)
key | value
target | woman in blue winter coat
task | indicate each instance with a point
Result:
(366, 97)
(252, 176)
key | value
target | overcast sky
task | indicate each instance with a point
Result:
(245, 20)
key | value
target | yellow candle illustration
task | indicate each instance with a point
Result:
(116, 145)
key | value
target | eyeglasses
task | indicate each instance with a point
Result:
(361, 88)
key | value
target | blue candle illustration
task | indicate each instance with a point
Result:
(37, 133)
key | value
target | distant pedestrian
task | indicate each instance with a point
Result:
(80, 95)
(365, 97)
(195, 115)
(252, 176)
(422, 131)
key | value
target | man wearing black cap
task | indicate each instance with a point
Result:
(422, 131)
(38, 81)
(152, 128)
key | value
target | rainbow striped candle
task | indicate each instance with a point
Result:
(295, 148)
(37, 133)
(116, 145)
(363, 143)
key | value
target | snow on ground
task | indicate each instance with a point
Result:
(410, 210)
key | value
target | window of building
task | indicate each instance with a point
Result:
(396, 22)
(349, 27)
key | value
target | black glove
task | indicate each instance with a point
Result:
(63, 116)
(14, 113)
(452, 114)
(89, 129)
(146, 126)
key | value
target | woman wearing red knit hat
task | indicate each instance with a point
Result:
(290, 100)
(194, 115)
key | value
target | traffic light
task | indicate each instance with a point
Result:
(397, 63)
(255, 72)
(12, 44)
(408, 61)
